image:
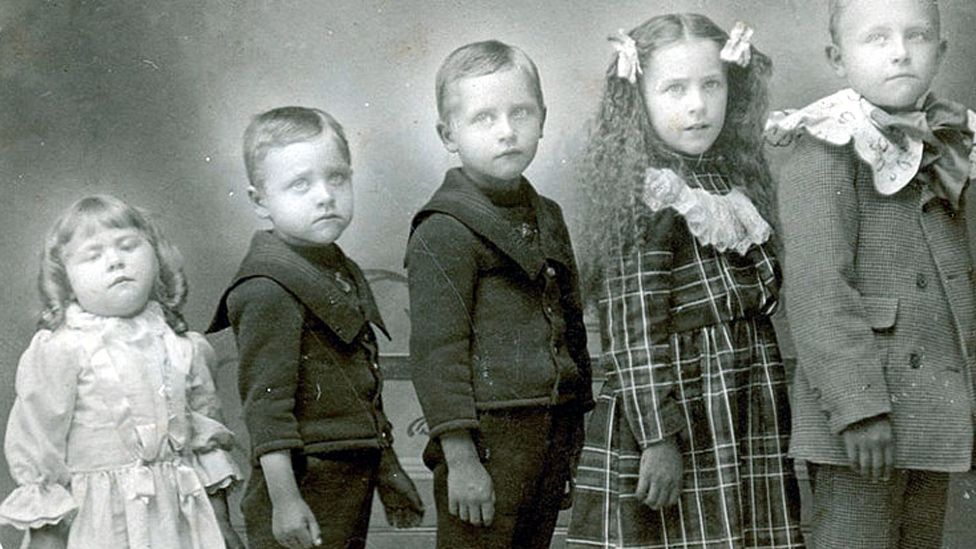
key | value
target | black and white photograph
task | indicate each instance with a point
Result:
(449, 274)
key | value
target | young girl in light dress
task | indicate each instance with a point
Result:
(114, 437)
(687, 444)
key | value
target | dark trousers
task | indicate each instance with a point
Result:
(852, 512)
(338, 488)
(529, 453)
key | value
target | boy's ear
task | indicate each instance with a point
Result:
(542, 123)
(836, 60)
(257, 202)
(943, 48)
(446, 134)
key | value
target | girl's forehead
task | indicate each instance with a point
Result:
(93, 232)
(686, 58)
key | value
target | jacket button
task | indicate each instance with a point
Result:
(548, 309)
(921, 280)
(550, 272)
(915, 360)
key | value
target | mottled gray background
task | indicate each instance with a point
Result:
(148, 101)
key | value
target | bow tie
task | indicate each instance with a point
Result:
(942, 127)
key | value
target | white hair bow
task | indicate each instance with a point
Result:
(628, 62)
(738, 49)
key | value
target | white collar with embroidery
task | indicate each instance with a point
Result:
(150, 319)
(725, 222)
(846, 115)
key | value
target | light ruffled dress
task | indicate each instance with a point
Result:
(115, 430)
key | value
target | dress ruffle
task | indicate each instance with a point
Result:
(725, 222)
(216, 468)
(36, 505)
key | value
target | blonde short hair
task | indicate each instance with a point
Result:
(480, 59)
(836, 9)
(284, 126)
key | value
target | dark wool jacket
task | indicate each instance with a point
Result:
(495, 308)
(308, 376)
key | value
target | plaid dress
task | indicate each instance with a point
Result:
(689, 350)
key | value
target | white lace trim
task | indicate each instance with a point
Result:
(725, 222)
(844, 116)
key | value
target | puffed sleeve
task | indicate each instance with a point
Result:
(211, 440)
(635, 320)
(37, 433)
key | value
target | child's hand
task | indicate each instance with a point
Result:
(870, 447)
(470, 494)
(661, 469)
(218, 501)
(294, 525)
(401, 502)
(53, 536)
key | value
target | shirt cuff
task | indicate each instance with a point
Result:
(672, 421)
(453, 425)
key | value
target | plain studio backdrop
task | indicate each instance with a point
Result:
(148, 101)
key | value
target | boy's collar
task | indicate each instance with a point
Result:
(328, 256)
(343, 312)
(460, 198)
(893, 145)
(514, 194)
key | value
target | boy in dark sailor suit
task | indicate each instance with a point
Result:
(498, 345)
(303, 316)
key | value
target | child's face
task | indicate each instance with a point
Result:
(494, 125)
(685, 90)
(888, 50)
(111, 271)
(307, 191)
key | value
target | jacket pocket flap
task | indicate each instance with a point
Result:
(881, 311)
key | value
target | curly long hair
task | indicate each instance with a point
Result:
(622, 143)
(104, 211)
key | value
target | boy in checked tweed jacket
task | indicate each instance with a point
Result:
(879, 281)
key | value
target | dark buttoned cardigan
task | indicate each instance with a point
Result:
(308, 378)
(495, 308)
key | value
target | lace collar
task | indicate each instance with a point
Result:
(845, 116)
(151, 319)
(725, 222)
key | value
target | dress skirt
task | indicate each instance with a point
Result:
(739, 490)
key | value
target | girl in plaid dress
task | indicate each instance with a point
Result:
(687, 444)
